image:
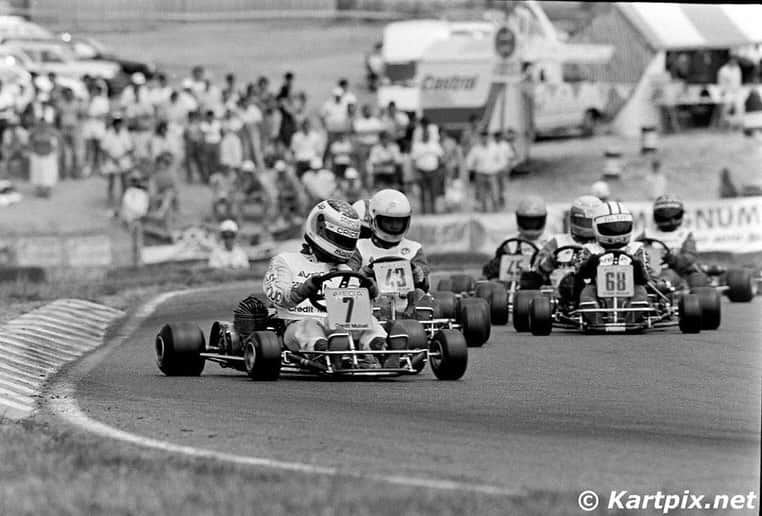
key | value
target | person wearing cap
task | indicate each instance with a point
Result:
(139, 113)
(228, 255)
(351, 186)
(306, 145)
(335, 117)
(600, 189)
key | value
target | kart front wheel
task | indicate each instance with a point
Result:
(261, 355)
(444, 285)
(178, 349)
(689, 313)
(540, 316)
(448, 304)
(497, 297)
(711, 309)
(462, 283)
(474, 316)
(740, 285)
(521, 302)
(448, 355)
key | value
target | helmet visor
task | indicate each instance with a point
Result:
(531, 222)
(340, 237)
(665, 215)
(618, 228)
(581, 221)
(392, 225)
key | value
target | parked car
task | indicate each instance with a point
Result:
(91, 49)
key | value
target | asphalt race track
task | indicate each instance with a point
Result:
(564, 412)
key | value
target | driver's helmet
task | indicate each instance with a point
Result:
(531, 215)
(363, 211)
(581, 217)
(668, 212)
(612, 225)
(332, 229)
(390, 213)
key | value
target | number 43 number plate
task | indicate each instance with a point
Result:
(348, 308)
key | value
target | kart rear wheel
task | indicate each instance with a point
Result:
(444, 285)
(178, 349)
(416, 335)
(740, 285)
(711, 309)
(474, 315)
(689, 313)
(540, 315)
(462, 283)
(448, 304)
(261, 355)
(450, 355)
(497, 297)
(521, 302)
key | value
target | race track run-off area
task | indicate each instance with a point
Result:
(565, 412)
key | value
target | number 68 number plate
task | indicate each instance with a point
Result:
(615, 281)
(348, 308)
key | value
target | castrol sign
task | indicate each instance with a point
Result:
(456, 84)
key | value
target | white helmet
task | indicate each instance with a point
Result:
(531, 215)
(612, 225)
(228, 226)
(390, 213)
(362, 207)
(332, 229)
(581, 217)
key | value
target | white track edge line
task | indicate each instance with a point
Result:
(62, 402)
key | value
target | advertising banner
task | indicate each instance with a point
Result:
(442, 234)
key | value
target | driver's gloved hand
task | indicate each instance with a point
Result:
(670, 260)
(373, 289)
(310, 288)
(367, 271)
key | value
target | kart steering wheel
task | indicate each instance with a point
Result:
(573, 247)
(655, 242)
(386, 259)
(318, 300)
(519, 241)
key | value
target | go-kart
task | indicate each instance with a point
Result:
(615, 310)
(400, 300)
(738, 285)
(254, 344)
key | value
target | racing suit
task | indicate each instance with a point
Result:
(681, 262)
(588, 265)
(545, 263)
(306, 324)
(491, 269)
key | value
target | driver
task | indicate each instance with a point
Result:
(668, 213)
(331, 232)
(580, 233)
(531, 216)
(390, 214)
(612, 227)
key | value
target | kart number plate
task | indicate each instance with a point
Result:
(512, 265)
(394, 277)
(615, 281)
(348, 308)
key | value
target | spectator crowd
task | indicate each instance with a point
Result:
(258, 147)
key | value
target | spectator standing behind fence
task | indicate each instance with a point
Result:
(193, 137)
(43, 159)
(231, 150)
(395, 123)
(117, 150)
(729, 80)
(366, 128)
(160, 141)
(15, 141)
(340, 154)
(94, 128)
(306, 145)
(228, 255)
(140, 115)
(69, 117)
(508, 157)
(427, 154)
(483, 161)
(212, 133)
(656, 181)
(334, 117)
(384, 164)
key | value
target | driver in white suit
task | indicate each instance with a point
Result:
(331, 232)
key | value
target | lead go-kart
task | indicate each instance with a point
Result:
(255, 345)
(399, 300)
(615, 311)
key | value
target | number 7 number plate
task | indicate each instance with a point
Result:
(348, 308)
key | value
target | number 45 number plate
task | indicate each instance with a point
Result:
(348, 308)
(615, 281)
(512, 265)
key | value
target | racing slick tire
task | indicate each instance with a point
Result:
(521, 301)
(450, 354)
(448, 304)
(178, 349)
(689, 313)
(711, 309)
(740, 285)
(496, 296)
(416, 338)
(540, 315)
(462, 283)
(474, 316)
(444, 285)
(261, 355)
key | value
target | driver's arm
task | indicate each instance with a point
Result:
(421, 270)
(688, 254)
(279, 284)
(545, 263)
(355, 262)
